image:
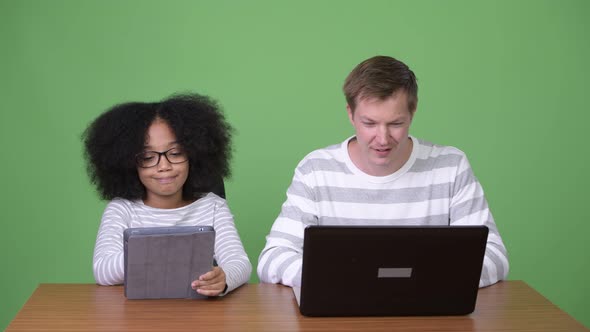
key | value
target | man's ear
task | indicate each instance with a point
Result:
(350, 114)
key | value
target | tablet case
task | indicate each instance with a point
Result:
(161, 262)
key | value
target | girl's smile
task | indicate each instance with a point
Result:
(164, 181)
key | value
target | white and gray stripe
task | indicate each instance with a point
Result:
(210, 210)
(435, 187)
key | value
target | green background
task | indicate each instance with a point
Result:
(502, 80)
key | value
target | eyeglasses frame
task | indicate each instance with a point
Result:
(160, 154)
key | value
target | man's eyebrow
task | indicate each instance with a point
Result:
(398, 119)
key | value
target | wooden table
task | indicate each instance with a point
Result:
(507, 306)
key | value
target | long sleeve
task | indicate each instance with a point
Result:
(229, 251)
(209, 210)
(108, 262)
(469, 207)
(281, 259)
(435, 187)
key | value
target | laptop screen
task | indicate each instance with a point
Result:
(391, 270)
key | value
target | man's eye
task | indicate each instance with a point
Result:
(147, 157)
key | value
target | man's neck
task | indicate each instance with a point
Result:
(362, 162)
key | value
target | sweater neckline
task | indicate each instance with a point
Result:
(380, 179)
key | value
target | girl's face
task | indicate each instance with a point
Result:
(163, 182)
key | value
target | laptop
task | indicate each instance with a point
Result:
(161, 262)
(391, 270)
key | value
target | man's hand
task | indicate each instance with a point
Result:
(211, 283)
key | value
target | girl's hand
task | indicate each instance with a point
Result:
(211, 283)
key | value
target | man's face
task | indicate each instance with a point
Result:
(382, 127)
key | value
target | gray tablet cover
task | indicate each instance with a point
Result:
(161, 262)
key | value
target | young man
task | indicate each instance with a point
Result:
(379, 176)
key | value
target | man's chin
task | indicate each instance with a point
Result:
(382, 158)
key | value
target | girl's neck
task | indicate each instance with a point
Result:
(166, 202)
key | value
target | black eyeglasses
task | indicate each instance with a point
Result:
(149, 159)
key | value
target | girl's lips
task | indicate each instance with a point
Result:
(165, 180)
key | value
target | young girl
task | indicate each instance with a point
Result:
(157, 163)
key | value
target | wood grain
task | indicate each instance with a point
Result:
(506, 306)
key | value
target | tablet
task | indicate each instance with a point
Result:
(161, 262)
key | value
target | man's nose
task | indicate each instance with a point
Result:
(382, 135)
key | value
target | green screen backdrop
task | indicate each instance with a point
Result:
(502, 80)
